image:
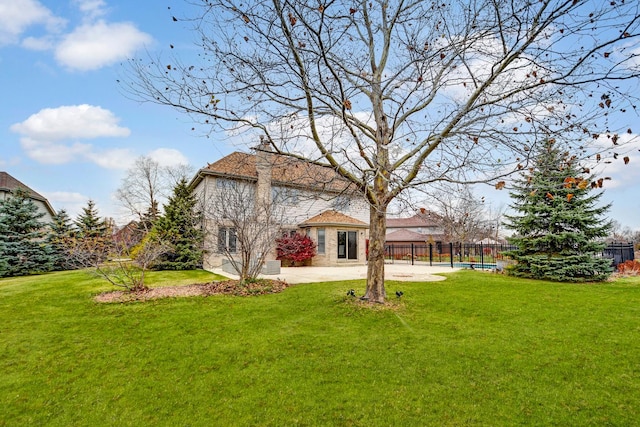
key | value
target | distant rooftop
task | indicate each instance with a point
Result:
(412, 236)
(424, 218)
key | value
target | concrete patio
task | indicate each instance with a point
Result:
(400, 272)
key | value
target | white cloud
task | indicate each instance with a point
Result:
(623, 175)
(46, 135)
(91, 8)
(118, 158)
(71, 121)
(47, 152)
(38, 43)
(69, 201)
(18, 15)
(92, 46)
(168, 157)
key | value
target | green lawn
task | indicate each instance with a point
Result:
(476, 349)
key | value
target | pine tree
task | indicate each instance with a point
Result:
(23, 247)
(89, 223)
(60, 231)
(559, 226)
(180, 228)
(92, 242)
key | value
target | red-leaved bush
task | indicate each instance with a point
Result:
(295, 248)
(630, 268)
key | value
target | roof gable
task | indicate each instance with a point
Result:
(8, 184)
(332, 217)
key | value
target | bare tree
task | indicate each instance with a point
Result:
(112, 261)
(622, 233)
(398, 94)
(146, 185)
(465, 217)
(247, 226)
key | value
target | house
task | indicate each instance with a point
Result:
(339, 238)
(9, 184)
(423, 227)
(128, 235)
(314, 200)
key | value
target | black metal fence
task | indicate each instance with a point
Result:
(477, 255)
(619, 252)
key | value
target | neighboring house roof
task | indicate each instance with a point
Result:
(8, 184)
(333, 218)
(412, 236)
(422, 219)
(286, 171)
(130, 233)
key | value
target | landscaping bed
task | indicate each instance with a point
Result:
(226, 287)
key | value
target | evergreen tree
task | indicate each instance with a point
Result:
(60, 232)
(89, 223)
(23, 247)
(92, 242)
(180, 228)
(559, 226)
(148, 219)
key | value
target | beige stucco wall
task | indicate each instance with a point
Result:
(330, 257)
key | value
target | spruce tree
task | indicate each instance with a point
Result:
(558, 224)
(60, 232)
(180, 228)
(23, 247)
(89, 223)
(93, 242)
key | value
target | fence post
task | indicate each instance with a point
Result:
(431, 254)
(451, 253)
(412, 253)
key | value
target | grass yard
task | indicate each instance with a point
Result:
(476, 349)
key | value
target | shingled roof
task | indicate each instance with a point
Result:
(412, 236)
(426, 219)
(331, 217)
(8, 184)
(284, 171)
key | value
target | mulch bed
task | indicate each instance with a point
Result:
(227, 287)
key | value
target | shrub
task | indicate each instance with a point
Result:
(295, 248)
(629, 268)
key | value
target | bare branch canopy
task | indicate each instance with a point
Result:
(400, 94)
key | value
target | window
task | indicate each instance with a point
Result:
(341, 203)
(347, 245)
(290, 196)
(226, 183)
(227, 240)
(321, 240)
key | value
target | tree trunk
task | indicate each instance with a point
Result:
(375, 266)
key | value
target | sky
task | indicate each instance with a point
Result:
(69, 132)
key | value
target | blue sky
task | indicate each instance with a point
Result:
(68, 132)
